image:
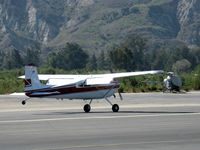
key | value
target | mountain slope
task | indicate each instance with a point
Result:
(96, 24)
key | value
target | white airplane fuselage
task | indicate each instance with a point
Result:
(74, 92)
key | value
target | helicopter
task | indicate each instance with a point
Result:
(171, 84)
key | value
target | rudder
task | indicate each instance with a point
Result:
(31, 80)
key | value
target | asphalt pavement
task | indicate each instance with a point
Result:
(146, 121)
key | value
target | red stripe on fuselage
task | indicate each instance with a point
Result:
(69, 90)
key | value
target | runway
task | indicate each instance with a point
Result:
(146, 121)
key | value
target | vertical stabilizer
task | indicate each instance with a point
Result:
(31, 80)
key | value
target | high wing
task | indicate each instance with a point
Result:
(128, 74)
(92, 79)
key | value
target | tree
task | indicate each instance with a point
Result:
(138, 48)
(195, 56)
(159, 59)
(12, 59)
(196, 78)
(170, 59)
(102, 62)
(32, 55)
(121, 58)
(70, 57)
(181, 66)
(130, 55)
(92, 63)
(16, 59)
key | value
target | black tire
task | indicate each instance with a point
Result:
(87, 108)
(115, 108)
(23, 102)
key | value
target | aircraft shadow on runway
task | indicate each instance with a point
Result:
(120, 112)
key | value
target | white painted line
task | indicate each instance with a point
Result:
(122, 144)
(50, 108)
(97, 117)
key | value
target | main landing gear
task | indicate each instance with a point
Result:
(87, 107)
(115, 107)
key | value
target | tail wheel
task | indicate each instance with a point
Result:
(87, 108)
(115, 108)
(23, 102)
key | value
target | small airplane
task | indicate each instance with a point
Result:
(84, 87)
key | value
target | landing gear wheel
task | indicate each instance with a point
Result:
(23, 102)
(87, 108)
(115, 108)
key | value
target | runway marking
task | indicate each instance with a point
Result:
(123, 144)
(44, 107)
(97, 117)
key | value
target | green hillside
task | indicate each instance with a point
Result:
(96, 24)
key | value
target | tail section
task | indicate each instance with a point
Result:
(31, 80)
